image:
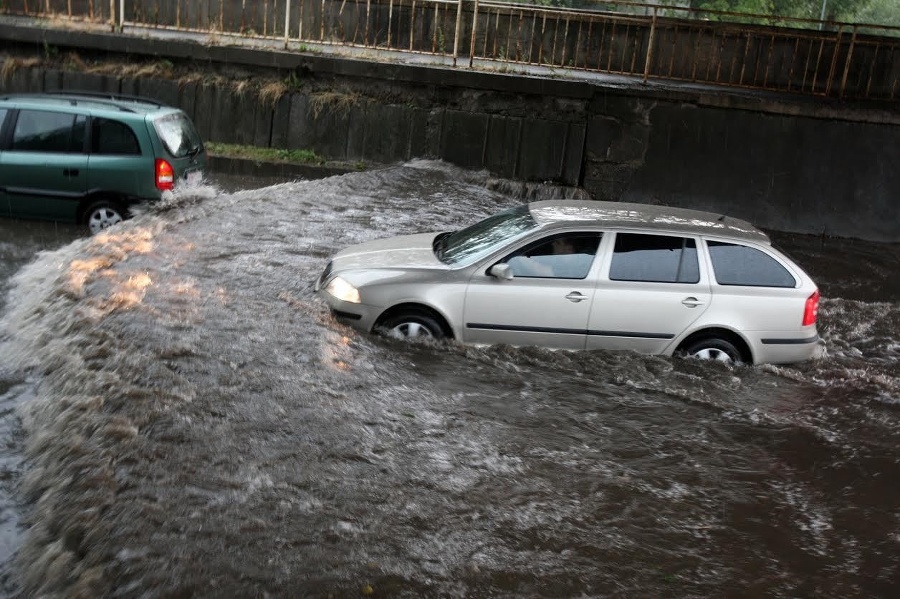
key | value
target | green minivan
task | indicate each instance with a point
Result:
(86, 158)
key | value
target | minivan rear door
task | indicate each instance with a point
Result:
(651, 288)
(44, 167)
(182, 145)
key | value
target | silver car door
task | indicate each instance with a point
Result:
(545, 302)
(650, 289)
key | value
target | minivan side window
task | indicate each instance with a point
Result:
(110, 137)
(654, 259)
(42, 131)
(741, 265)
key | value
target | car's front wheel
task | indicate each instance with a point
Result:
(102, 215)
(713, 348)
(413, 325)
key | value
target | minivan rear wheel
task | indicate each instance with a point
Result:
(713, 348)
(102, 215)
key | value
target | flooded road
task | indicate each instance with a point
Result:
(182, 418)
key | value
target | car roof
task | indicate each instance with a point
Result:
(95, 103)
(643, 216)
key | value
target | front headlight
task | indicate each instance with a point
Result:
(342, 290)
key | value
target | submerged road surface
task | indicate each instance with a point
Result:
(183, 418)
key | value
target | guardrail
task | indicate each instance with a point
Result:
(802, 56)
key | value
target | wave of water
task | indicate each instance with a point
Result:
(193, 423)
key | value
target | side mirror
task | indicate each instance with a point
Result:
(501, 271)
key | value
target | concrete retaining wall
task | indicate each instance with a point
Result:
(800, 167)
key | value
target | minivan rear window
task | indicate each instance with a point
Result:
(178, 134)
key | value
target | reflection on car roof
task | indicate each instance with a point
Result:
(661, 218)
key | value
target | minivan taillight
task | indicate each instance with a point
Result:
(165, 175)
(811, 311)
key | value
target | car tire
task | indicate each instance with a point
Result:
(714, 348)
(102, 215)
(413, 325)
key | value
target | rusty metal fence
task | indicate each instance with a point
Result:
(648, 41)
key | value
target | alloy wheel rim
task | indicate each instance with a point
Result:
(712, 353)
(103, 219)
(410, 330)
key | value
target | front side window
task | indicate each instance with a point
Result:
(110, 137)
(741, 265)
(654, 259)
(567, 256)
(41, 131)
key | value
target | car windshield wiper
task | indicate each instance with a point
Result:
(440, 244)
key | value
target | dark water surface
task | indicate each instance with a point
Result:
(182, 418)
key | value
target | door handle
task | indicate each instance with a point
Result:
(691, 302)
(576, 297)
(70, 172)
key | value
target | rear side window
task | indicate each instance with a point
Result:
(178, 134)
(110, 137)
(654, 259)
(41, 131)
(741, 265)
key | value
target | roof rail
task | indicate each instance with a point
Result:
(105, 96)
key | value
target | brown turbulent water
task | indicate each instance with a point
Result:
(182, 418)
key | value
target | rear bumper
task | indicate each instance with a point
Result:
(775, 349)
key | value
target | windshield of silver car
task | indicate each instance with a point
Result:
(468, 245)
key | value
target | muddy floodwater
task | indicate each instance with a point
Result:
(181, 417)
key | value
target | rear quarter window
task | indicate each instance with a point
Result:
(109, 137)
(735, 264)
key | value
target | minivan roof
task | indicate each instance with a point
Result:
(632, 215)
(98, 101)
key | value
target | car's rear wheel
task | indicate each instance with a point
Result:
(413, 325)
(102, 215)
(713, 348)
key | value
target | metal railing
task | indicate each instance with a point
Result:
(648, 41)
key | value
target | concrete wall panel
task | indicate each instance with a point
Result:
(163, 90)
(281, 117)
(388, 131)
(502, 152)
(543, 150)
(298, 122)
(463, 138)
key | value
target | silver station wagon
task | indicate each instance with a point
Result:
(585, 275)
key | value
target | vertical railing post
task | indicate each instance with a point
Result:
(847, 64)
(390, 22)
(472, 34)
(456, 34)
(650, 45)
(832, 71)
(121, 15)
(287, 23)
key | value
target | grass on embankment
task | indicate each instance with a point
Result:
(264, 154)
